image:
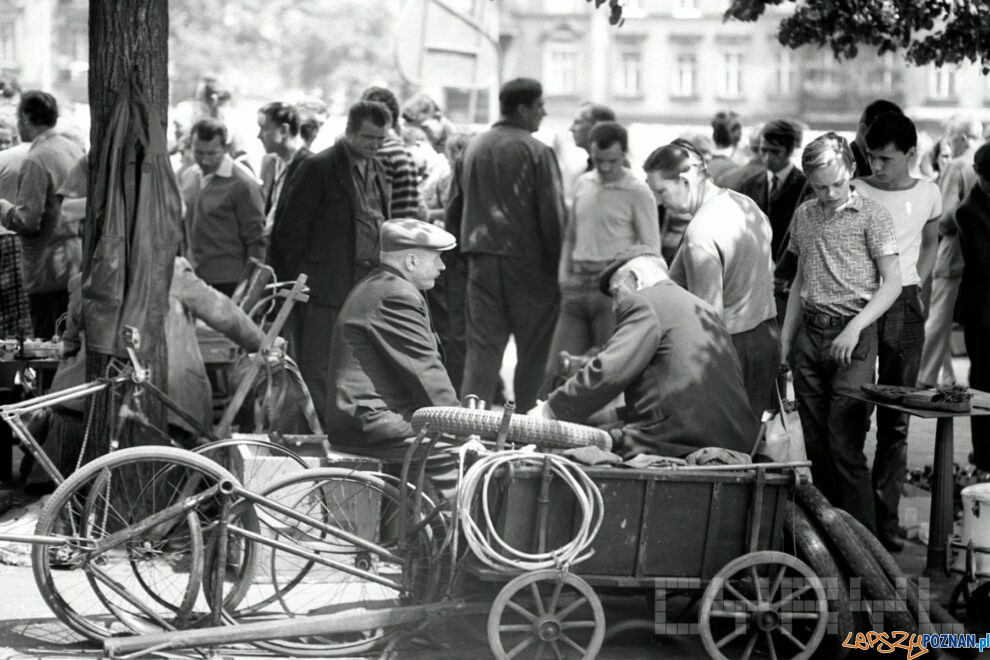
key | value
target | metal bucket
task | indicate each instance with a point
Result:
(975, 530)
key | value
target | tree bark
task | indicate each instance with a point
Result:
(124, 36)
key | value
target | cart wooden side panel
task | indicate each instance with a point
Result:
(657, 523)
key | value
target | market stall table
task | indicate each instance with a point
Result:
(942, 482)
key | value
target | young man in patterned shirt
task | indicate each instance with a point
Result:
(848, 275)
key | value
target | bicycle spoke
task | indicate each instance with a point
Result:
(735, 592)
(739, 631)
(564, 613)
(557, 586)
(755, 576)
(791, 596)
(776, 583)
(521, 646)
(574, 645)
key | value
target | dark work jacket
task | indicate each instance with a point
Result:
(315, 232)
(973, 220)
(290, 171)
(780, 209)
(130, 249)
(674, 360)
(384, 363)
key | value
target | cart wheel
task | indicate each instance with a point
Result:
(546, 613)
(765, 600)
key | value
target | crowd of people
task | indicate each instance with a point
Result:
(687, 281)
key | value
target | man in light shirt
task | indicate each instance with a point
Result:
(915, 205)
(612, 210)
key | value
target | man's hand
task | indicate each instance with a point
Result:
(541, 409)
(844, 345)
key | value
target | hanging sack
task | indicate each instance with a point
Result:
(781, 438)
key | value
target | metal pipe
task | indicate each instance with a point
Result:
(323, 527)
(326, 624)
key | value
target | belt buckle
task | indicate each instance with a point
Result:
(823, 320)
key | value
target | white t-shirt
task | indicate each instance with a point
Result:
(911, 208)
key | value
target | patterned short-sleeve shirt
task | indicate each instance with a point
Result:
(838, 256)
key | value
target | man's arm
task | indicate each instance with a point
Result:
(250, 212)
(646, 219)
(890, 288)
(403, 334)
(928, 250)
(625, 355)
(792, 317)
(550, 204)
(302, 199)
(702, 270)
(24, 216)
(953, 193)
(215, 309)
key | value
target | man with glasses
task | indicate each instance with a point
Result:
(329, 228)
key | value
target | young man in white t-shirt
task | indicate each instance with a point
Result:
(915, 205)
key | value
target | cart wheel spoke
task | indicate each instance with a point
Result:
(552, 606)
(539, 651)
(564, 613)
(574, 645)
(735, 592)
(740, 630)
(521, 646)
(770, 646)
(556, 651)
(776, 583)
(750, 644)
(738, 615)
(791, 638)
(516, 627)
(791, 596)
(521, 611)
(576, 625)
(755, 576)
(798, 616)
(537, 598)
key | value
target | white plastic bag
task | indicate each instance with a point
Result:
(782, 439)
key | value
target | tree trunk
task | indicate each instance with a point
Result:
(124, 36)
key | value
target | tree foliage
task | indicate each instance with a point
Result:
(925, 31)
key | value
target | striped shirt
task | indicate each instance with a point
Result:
(402, 176)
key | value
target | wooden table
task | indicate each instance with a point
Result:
(942, 479)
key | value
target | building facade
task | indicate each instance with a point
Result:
(677, 61)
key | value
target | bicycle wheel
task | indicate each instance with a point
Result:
(338, 574)
(150, 579)
(255, 462)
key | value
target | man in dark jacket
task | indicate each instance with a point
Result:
(674, 360)
(329, 229)
(512, 209)
(385, 360)
(973, 305)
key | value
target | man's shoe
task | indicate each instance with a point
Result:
(892, 543)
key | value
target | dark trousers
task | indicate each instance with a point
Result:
(45, 310)
(314, 352)
(759, 355)
(508, 295)
(448, 309)
(586, 320)
(901, 339)
(834, 424)
(978, 349)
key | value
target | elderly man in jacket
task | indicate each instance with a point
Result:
(671, 356)
(385, 359)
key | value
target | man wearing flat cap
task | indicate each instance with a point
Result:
(385, 359)
(671, 356)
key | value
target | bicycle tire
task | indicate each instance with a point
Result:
(859, 560)
(77, 503)
(523, 429)
(338, 497)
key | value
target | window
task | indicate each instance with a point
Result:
(561, 67)
(685, 76)
(629, 81)
(686, 9)
(633, 9)
(821, 76)
(942, 84)
(730, 77)
(8, 41)
(784, 74)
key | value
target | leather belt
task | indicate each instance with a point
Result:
(825, 321)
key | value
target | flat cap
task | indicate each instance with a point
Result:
(406, 233)
(622, 257)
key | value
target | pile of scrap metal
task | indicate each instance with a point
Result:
(867, 590)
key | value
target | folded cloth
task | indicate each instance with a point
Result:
(592, 455)
(644, 461)
(717, 456)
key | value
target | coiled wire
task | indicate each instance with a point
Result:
(489, 547)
